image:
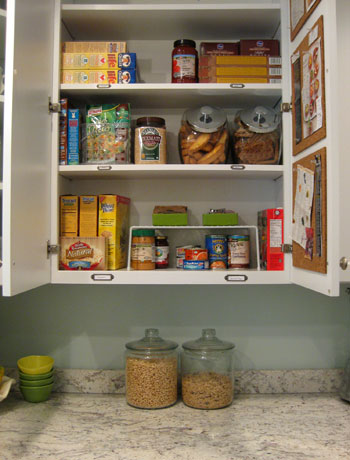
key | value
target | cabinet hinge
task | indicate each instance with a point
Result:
(287, 248)
(286, 106)
(54, 107)
(52, 249)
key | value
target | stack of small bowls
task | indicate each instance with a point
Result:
(35, 377)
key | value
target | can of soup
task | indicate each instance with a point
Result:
(196, 254)
(217, 251)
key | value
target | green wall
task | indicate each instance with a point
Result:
(273, 327)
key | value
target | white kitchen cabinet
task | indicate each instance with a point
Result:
(34, 181)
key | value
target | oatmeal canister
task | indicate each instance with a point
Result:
(238, 251)
(207, 372)
(150, 141)
(217, 251)
(151, 371)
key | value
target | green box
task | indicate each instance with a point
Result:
(230, 218)
(169, 219)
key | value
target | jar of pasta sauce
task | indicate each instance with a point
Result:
(184, 62)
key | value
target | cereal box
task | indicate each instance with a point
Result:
(270, 226)
(90, 61)
(69, 215)
(73, 144)
(127, 60)
(126, 76)
(94, 47)
(98, 77)
(83, 253)
(88, 215)
(63, 132)
(113, 223)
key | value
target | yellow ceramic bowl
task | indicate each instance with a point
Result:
(34, 365)
(2, 372)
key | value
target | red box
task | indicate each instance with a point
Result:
(259, 48)
(270, 226)
(219, 49)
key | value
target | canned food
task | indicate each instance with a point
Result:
(238, 251)
(180, 250)
(195, 264)
(196, 254)
(179, 262)
(217, 251)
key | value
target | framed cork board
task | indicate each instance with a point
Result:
(309, 230)
(308, 90)
(300, 10)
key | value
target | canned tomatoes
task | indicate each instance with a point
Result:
(196, 254)
(217, 251)
(238, 251)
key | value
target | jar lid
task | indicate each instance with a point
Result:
(185, 42)
(260, 119)
(208, 342)
(206, 119)
(151, 121)
(151, 342)
(143, 232)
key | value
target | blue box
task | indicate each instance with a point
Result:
(126, 76)
(73, 144)
(127, 61)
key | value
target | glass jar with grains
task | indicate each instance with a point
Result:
(207, 372)
(151, 371)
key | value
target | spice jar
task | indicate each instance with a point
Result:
(207, 372)
(151, 371)
(150, 141)
(184, 62)
(143, 250)
(203, 136)
(162, 252)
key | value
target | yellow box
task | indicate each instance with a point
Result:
(68, 215)
(91, 61)
(113, 223)
(88, 215)
(94, 47)
(73, 77)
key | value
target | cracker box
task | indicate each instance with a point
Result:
(68, 215)
(98, 77)
(88, 215)
(73, 143)
(63, 131)
(90, 61)
(83, 253)
(219, 48)
(113, 223)
(94, 47)
(270, 226)
(259, 48)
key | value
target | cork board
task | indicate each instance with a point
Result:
(318, 260)
(308, 90)
(300, 11)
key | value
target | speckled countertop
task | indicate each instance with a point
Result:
(87, 426)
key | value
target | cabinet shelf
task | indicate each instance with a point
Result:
(171, 171)
(168, 21)
(164, 95)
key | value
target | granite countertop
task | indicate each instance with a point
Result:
(96, 426)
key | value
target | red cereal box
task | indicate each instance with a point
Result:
(270, 225)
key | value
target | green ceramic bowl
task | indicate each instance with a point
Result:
(36, 383)
(25, 376)
(36, 394)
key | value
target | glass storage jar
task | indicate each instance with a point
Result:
(151, 371)
(207, 372)
(203, 136)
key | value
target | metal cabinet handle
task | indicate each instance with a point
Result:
(344, 263)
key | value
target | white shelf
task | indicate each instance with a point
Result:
(176, 95)
(215, 21)
(171, 171)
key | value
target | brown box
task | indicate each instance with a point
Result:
(241, 71)
(63, 131)
(88, 215)
(259, 48)
(94, 47)
(69, 215)
(219, 48)
(240, 80)
(249, 61)
(83, 253)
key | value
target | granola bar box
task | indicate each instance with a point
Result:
(113, 224)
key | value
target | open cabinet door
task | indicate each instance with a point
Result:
(315, 154)
(27, 144)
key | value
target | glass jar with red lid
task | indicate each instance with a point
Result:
(184, 62)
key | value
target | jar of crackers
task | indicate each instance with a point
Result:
(257, 136)
(203, 136)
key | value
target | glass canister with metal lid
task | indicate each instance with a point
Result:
(207, 372)
(203, 136)
(257, 136)
(151, 371)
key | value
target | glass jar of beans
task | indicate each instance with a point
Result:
(207, 372)
(151, 371)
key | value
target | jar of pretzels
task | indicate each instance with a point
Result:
(203, 136)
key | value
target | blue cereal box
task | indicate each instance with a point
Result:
(127, 61)
(73, 137)
(126, 76)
